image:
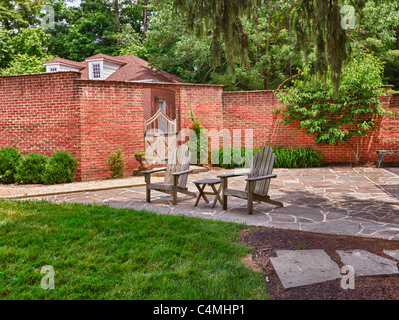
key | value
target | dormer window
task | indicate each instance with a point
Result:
(96, 71)
(102, 66)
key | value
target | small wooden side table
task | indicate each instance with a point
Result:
(201, 185)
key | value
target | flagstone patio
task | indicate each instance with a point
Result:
(359, 201)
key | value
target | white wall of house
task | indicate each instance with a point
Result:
(99, 69)
(55, 67)
(107, 68)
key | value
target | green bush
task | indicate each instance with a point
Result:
(9, 160)
(116, 164)
(297, 158)
(237, 158)
(285, 157)
(61, 168)
(31, 169)
(199, 143)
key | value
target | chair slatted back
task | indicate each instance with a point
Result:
(179, 161)
(262, 165)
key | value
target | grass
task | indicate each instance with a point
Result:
(99, 252)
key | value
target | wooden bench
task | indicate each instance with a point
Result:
(382, 153)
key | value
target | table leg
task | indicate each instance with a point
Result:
(201, 194)
(217, 196)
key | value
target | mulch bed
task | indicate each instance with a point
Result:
(265, 242)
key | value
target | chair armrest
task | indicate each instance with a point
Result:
(176, 174)
(154, 171)
(261, 178)
(233, 175)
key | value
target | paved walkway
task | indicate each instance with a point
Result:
(339, 200)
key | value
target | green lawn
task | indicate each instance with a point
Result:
(99, 252)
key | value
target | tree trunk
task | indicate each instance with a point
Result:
(145, 20)
(355, 152)
(267, 47)
(397, 38)
(118, 25)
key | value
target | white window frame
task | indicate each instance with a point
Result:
(91, 70)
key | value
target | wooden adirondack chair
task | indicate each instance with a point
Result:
(258, 181)
(176, 175)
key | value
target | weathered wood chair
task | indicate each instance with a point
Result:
(176, 174)
(258, 181)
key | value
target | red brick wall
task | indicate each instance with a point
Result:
(205, 102)
(252, 110)
(111, 118)
(39, 113)
(58, 111)
(49, 112)
(151, 104)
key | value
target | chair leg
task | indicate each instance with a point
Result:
(148, 194)
(276, 203)
(147, 189)
(174, 194)
(250, 206)
(224, 197)
(174, 190)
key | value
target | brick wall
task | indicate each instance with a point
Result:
(253, 110)
(205, 102)
(40, 113)
(59, 111)
(111, 118)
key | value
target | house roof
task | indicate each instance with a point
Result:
(131, 68)
(66, 61)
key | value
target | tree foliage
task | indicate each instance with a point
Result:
(244, 45)
(335, 119)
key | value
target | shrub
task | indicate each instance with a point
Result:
(61, 168)
(338, 117)
(31, 169)
(237, 158)
(297, 158)
(116, 164)
(285, 157)
(197, 143)
(9, 160)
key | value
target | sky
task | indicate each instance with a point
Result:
(72, 3)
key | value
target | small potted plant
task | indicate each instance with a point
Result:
(144, 160)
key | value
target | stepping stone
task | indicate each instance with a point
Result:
(368, 264)
(393, 253)
(297, 268)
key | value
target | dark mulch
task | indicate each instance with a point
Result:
(266, 241)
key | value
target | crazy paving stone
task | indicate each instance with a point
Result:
(298, 268)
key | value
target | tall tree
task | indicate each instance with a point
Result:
(379, 31)
(317, 23)
(145, 19)
(18, 14)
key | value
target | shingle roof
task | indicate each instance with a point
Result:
(132, 69)
(66, 61)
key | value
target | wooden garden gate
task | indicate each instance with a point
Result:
(160, 136)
